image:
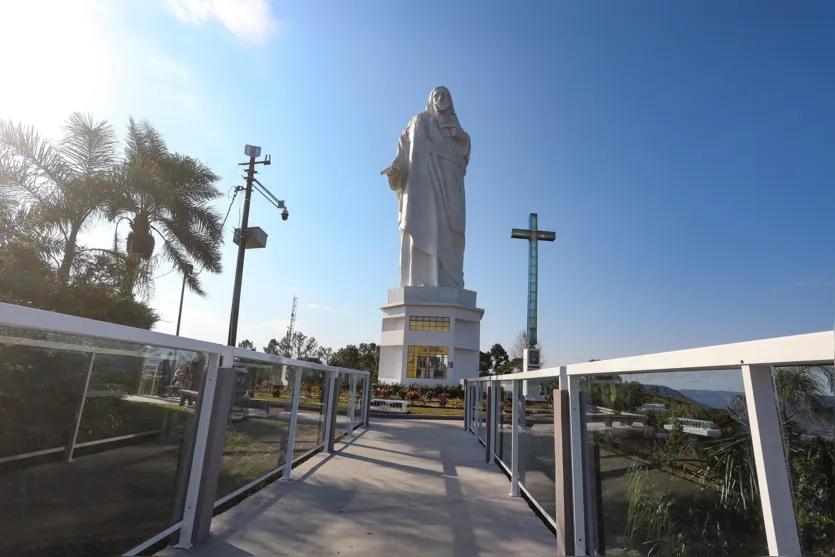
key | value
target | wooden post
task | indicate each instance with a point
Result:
(562, 459)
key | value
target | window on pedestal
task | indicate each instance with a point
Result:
(434, 324)
(427, 362)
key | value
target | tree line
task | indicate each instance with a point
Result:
(50, 192)
(498, 361)
(299, 346)
(366, 355)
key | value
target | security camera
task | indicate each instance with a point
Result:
(285, 214)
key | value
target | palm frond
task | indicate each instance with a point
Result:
(192, 180)
(169, 194)
(172, 252)
(802, 390)
(30, 166)
(143, 140)
(203, 250)
(88, 145)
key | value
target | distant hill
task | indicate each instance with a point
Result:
(672, 393)
(711, 399)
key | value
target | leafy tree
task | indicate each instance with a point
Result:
(271, 347)
(485, 363)
(65, 184)
(166, 196)
(298, 346)
(370, 359)
(634, 395)
(366, 357)
(498, 356)
(348, 356)
(325, 354)
(510, 366)
(92, 291)
(248, 344)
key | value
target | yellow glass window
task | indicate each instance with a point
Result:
(425, 323)
(427, 362)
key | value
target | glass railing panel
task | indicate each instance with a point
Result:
(536, 443)
(310, 422)
(342, 404)
(92, 460)
(806, 406)
(259, 422)
(504, 437)
(670, 466)
(358, 398)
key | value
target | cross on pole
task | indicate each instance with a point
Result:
(533, 235)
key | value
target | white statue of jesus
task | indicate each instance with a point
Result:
(428, 176)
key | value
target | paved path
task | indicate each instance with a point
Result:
(404, 488)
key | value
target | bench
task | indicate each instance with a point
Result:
(187, 397)
(390, 406)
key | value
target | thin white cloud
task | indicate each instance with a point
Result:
(251, 20)
(319, 306)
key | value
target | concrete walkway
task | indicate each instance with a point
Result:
(404, 488)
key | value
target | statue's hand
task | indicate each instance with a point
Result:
(453, 131)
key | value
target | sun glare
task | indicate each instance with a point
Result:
(56, 58)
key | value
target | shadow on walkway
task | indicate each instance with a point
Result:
(405, 488)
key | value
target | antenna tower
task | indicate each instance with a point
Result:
(292, 326)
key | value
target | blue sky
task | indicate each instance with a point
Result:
(682, 152)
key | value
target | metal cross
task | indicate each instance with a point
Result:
(533, 235)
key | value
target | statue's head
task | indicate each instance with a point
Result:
(440, 102)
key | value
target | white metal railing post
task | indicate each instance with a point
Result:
(366, 401)
(488, 422)
(329, 409)
(493, 422)
(477, 402)
(364, 385)
(769, 457)
(70, 450)
(153, 382)
(466, 398)
(468, 408)
(482, 399)
(352, 382)
(294, 420)
(514, 439)
(198, 457)
(577, 465)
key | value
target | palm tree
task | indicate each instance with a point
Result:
(63, 185)
(24, 226)
(165, 196)
(801, 391)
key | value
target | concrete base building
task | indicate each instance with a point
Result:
(430, 336)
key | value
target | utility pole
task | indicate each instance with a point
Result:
(243, 237)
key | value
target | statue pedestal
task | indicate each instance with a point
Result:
(430, 336)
